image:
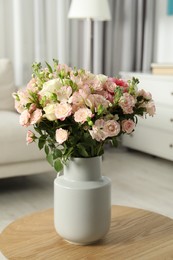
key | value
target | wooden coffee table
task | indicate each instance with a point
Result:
(134, 234)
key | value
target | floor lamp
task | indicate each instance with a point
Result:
(90, 10)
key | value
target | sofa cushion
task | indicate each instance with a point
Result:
(7, 86)
(13, 145)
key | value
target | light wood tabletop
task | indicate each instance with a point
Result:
(134, 234)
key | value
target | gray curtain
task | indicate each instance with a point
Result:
(39, 30)
(125, 43)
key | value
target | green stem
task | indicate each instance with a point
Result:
(99, 148)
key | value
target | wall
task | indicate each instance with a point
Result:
(163, 44)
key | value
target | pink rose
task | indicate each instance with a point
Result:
(31, 84)
(85, 91)
(121, 83)
(128, 126)
(100, 123)
(111, 128)
(97, 134)
(79, 98)
(24, 118)
(98, 82)
(97, 85)
(89, 101)
(127, 102)
(64, 93)
(97, 131)
(18, 106)
(30, 137)
(63, 110)
(110, 86)
(150, 108)
(24, 96)
(81, 115)
(109, 96)
(100, 100)
(63, 67)
(76, 99)
(61, 135)
(144, 94)
(36, 116)
(32, 108)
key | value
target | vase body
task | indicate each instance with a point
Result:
(82, 201)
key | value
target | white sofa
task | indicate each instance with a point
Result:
(16, 158)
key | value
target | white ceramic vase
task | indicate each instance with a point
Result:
(82, 201)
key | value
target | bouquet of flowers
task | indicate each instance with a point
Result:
(74, 112)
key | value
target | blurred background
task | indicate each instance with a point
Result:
(139, 33)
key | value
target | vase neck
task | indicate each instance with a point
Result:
(83, 169)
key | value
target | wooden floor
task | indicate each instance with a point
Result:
(138, 180)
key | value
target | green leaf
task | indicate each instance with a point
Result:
(46, 149)
(53, 97)
(136, 120)
(41, 143)
(38, 130)
(68, 152)
(100, 109)
(56, 62)
(114, 142)
(28, 105)
(49, 67)
(100, 150)
(16, 96)
(33, 96)
(58, 165)
(36, 68)
(49, 158)
(118, 93)
(57, 153)
(43, 101)
(82, 150)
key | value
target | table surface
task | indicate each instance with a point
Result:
(134, 234)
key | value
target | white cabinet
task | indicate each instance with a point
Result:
(154, 135)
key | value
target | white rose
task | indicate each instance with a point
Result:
(102, 78)
(50, 112)
(50, 87)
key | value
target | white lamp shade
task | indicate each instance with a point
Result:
(93, 9)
